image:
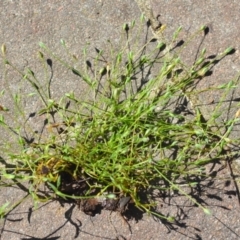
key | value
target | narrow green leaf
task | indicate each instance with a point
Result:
(42, 45)
(63, 42)
(9, 176)
(207, 211)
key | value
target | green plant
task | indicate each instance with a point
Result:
(131, 136)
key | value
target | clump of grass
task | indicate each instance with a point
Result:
(131, 136)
